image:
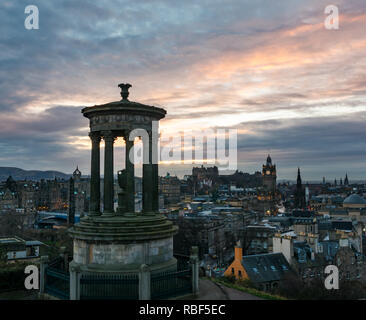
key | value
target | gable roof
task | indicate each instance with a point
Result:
(265, 267)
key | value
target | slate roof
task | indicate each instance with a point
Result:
(33, 243)
(339, 211)
(342, 225)
(301, 213)
(265, 267)
(325, 225)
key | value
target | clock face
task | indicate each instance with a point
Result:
(268, 172)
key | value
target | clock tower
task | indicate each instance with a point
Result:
(269, 176)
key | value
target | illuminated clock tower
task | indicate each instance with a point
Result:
(269, 176)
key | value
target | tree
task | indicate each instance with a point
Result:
(293, 287)
(3, 255)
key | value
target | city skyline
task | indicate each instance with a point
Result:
(270, 70)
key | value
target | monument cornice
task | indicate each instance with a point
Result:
(124, 107)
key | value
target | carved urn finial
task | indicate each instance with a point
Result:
(124, 90)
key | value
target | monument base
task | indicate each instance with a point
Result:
(122, 243)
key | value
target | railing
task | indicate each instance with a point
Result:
(109, 287)
(171, 284)
(57, 280)
(95, 286)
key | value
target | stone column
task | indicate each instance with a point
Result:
(147, 201)
(94, 207)
(154, 173)
(108, 173)
(65, 257)
(195, 270)
(144, 283)
(155, 187)
(43, 266)
(130, 177)
(75, 276)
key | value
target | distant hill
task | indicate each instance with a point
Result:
(35, 175)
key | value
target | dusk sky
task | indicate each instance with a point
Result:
(268, 68)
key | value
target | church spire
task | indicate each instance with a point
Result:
(299, 182)
(299, 192)
(269, 160)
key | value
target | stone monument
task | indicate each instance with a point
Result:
(121, 241)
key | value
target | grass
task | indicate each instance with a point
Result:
(252, 291)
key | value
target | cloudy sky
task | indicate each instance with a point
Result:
(269, 69)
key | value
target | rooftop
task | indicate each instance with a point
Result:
(265, 267)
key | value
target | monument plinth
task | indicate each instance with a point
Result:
(123, 240)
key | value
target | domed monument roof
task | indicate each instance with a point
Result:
(354, 199)
(122, 113)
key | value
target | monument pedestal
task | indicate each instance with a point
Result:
(122, 243)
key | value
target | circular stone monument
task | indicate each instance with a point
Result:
(122, 240)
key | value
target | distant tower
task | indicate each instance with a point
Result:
(269, 175)
(299, 193)
(335, 182)
(323, 180)
(341, 182)
(76, 174)
(346, 182)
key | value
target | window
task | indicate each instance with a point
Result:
(273, 268)
(255, 270)
(232, 271)
(239, 273)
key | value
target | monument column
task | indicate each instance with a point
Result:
(94, 208)
(130, 175)
(154, 173)
(108, 173)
